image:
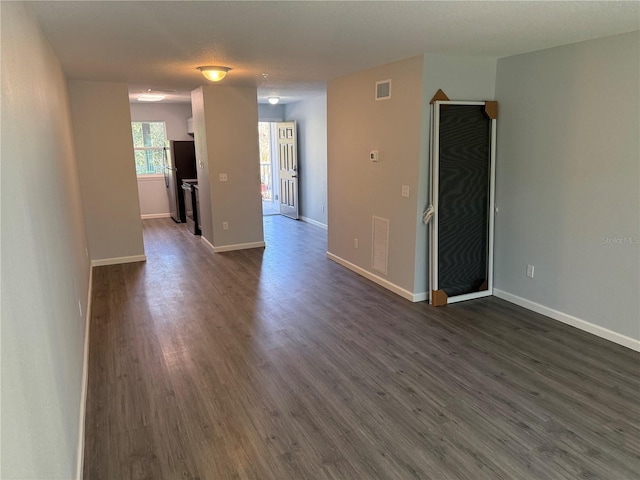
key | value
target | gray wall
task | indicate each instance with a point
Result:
(173, 114)
(225, 121)
(358, 188)
(568, 177)
(271, 113)
(104, 150)
(45, 271)
(311, 119)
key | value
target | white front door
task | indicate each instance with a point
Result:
(288, 168)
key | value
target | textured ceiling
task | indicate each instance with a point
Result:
(302, 45)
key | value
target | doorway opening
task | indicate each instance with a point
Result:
(268, 168)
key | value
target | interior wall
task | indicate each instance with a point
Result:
(226, 134)
(45, 271)
(461, 78)
(173, 114)
(205, 220)
(311, 119)
(568, 180)
(104, 150)
(270, 113)
(359, 188)
(152, 191)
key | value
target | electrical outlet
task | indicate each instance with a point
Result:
(225, 225)
(530, 269)
(405, 190)
(355, 243)
(223, 177)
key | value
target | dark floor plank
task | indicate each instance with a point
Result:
(279, 364)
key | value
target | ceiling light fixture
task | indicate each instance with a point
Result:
(215, 74)
(273, 100)
(151, 97)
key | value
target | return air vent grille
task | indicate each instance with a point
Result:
(380, 244)
(383, 90)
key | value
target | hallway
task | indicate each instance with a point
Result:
(279, 364)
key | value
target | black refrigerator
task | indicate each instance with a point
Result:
(179, 163)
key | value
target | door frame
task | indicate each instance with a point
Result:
(433, 225)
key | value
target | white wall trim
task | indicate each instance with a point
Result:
(576, 322)
(85, 379)
(230, 248)
(413, 297)
(420, 297)
(207, 243)
(155, 215)
(313, 222)
(238, 246)
(151, 178)
(116, 260)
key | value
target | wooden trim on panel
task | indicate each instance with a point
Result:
(439, 96)
(439, 298)
(491, 109)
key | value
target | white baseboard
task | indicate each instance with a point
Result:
(238, 246)
(313, 222)
(207, 242)
(597, 330)
(230, 248)
(420, 297)
(85, 379)
(414, 297)
(155, 215)
(116, 260)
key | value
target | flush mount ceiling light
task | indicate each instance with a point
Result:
(151, 97)
(215, 74)
(273, 100)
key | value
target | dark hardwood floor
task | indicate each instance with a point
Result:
(279, 364)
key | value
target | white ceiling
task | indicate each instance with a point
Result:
(301, 45)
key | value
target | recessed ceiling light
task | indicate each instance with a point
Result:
(273, 100)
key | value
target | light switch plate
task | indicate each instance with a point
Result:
(530, 271)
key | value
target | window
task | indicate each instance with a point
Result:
(149, 140)
(264, 136)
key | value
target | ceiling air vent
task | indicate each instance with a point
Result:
(383, 90)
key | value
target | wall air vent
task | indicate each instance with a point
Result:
(383, 90)
(380, 244)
